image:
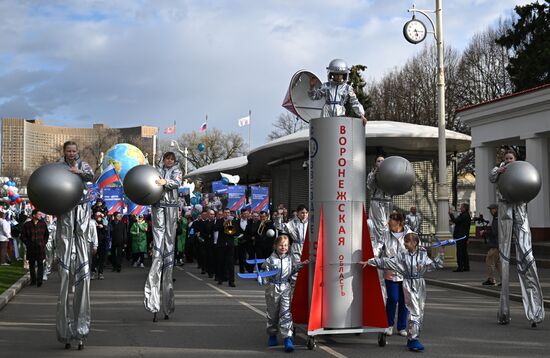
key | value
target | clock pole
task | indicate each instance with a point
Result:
(442, 230)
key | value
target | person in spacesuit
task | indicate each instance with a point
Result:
(380, 206)
(412, 264)
(159, 290)
(336, 91)
(278, 292)
(72, 251)
(514, 223)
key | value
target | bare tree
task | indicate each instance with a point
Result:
(408, 94)
(215, 146)
(482, 74)
(286, 124)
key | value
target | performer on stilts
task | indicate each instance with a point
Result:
(159, 290)
(380, 207)
(514, 223)
(72, 249)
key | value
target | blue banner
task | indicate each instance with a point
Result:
(236, 197)
(114, 199)
(260, 198)
(218, 187)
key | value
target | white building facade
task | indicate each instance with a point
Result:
(521, 119)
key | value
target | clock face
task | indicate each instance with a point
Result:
(414, 31)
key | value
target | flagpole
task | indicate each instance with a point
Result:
(249, 125)
(174, 129)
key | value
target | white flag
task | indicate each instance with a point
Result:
(245, 121)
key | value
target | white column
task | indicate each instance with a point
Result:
(538, 149)
(485, 190)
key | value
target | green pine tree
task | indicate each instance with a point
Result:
(358, 83)
(529, 40)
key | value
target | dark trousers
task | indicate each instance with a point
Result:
(200, 253)
(243, 250)
(219, 264)
(462, 258)
(189, 250)
(138, 257)
(394, 291)
(99, 260)
(259, 249)
(3, 252)
(227, 263)
(36, 268)
(116, 253)
(210, 259)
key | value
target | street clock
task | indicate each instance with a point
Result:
(414, 31)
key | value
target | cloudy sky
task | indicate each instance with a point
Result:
(153, 62)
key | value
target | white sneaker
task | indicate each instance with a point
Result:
(141, 265)
(389, 331)
(45, 278)
(135, 264)
(93, 276)
(403, 333)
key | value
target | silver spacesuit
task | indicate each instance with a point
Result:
(164, 222)
(50, 246)
(414, 222)
(391, 245)
(297, 231)
(412, 266)
(337, 93)
(513, 223)
(72, 251)
(278, 293)
(379, 211)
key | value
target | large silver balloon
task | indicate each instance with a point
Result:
(53, 189)
(140, 187)
(395, 175)
(520, 183)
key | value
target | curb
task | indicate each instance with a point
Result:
(13, 290)
(481, 291)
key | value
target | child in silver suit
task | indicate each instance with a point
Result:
(412, 264)
(278, 292)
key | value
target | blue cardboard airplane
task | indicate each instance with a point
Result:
(258, 275)
(447, 242)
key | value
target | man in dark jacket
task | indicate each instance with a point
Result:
(119, 233)
(34, 234)
(462, 229)
(491, 237)
(227, 232)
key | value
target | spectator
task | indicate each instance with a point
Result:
(118, 240)
(138, 233)
(462, 229)
(414, 221)
(102, 245)
(5, 236)
(491, 238)
(34, 234)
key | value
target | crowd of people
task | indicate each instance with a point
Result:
(87, 238)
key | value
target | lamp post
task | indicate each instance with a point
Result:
(415, 32)
(184, 152)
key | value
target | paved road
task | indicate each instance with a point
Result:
(212, 320)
